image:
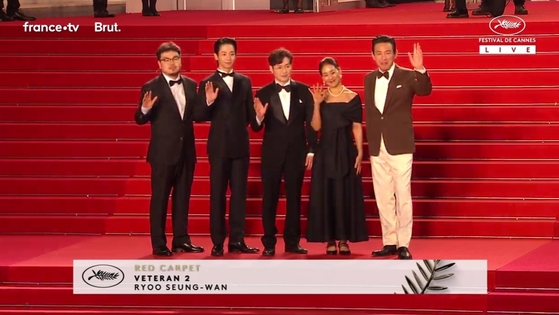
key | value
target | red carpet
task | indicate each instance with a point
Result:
(51, 268)
(72, 161)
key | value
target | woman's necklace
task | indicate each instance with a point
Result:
(336, 95)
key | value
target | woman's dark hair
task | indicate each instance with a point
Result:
(328, 61)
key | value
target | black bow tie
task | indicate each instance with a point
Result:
(383, 74)
(223, 74)
(287, 88)
(171, 83)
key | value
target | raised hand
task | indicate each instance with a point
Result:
(259, 108)
(148, 101)
(416, 59)
(211, 94)
(318, 93)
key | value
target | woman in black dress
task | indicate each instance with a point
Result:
(336, 207)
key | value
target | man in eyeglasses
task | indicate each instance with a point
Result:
(167, 103)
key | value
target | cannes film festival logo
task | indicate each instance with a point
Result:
(507, 25)
(103, 276)
(430, 275)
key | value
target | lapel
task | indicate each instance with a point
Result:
(392, 87)
(166, 89)
(189, 97)
(372, 90)
(275, 103)
(237, 88)
(293, 102)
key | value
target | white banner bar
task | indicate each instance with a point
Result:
(280, 276)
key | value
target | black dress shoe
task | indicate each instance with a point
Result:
(374, 4)
(269, 252)
(404, 253)
(297, 249)
(241, 247)
(386, 3)
(283, 11)
(457, 15)
(4, 17)
(387, 250)
(520, 10)
(188, 248)
(164, 251)
(103, 14)
(217, 250)
(19, 16)
(154, 12)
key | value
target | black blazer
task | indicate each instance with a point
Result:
(230, 114)
(287, 139)
(170, 135)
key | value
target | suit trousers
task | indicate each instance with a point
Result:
(392, 187)
(164, 179)
(13, 6)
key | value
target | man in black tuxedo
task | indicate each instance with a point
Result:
(226, 101)
(167, 103)
(286, 116)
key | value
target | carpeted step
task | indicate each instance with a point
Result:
(423, 131)
(465, 95)
(520, 274)
(139, 224)
(73, 164)
(523, 303)
(204, 311)
(519, 209)
(364, 61)
(86, 61)
(246, 24)
(425, 150)
(524, 79)
(355, 46)
(342, 45)
(374, 304)
(421, 113)
(118, 186)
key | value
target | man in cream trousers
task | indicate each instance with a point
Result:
(389, 94)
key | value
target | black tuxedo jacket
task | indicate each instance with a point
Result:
(230, 115)
(170, 135)
(290, 138)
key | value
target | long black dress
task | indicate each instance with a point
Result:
(336, 206)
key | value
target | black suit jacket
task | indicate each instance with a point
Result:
(170, 135)
(292, 138)
(395, 122)
(230, 114)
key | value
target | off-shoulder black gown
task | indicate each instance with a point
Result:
(336, 207)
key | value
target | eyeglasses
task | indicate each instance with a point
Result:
(168, 60)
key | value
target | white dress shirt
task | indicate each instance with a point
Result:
(285, 99)
(178, 94)
(381, 87)
(228, 81)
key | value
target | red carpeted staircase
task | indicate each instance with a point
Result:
(73, 161)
